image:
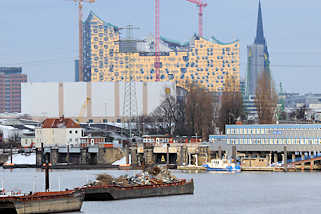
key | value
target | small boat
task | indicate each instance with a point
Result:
(224, 165)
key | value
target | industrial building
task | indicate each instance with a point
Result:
(90, 102)
(110, 58)
(270, 134)
(10, 89)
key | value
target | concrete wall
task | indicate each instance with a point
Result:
(106, 98)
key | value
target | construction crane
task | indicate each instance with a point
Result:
(201, 5)
(83, 110)
(81, 60)
(157, 41)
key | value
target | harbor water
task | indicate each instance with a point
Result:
(246, 192)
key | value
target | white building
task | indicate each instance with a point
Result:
(100, 101)
(58, 131)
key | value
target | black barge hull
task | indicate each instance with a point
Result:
(119, 193)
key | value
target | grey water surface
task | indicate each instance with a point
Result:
(246, 192)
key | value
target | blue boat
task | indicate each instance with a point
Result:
(222, 165)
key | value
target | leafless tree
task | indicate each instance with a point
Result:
(266, 99)
(167, 113)
(199, 111)
(231, 108)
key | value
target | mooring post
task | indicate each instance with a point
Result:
(167, 154)
(47, 173)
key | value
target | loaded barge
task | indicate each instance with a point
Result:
(116, 192)
(42, 202)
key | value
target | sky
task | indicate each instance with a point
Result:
(42, 35)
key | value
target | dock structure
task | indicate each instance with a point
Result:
(79, 156)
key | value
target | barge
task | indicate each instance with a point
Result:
(116, 192)
(42, 202)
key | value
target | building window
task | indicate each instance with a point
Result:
(70, 132)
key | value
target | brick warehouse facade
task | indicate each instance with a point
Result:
(10, 88)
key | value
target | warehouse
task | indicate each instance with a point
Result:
(91, 102)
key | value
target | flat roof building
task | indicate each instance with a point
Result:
(270, 134)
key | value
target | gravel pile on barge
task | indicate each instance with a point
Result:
(154, 181)
(150, 176)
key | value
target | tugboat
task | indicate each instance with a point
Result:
(222, 165)
(41, 202)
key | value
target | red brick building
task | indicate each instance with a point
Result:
(10, 88)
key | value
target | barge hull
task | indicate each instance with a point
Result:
(119, 193)
(43, 205)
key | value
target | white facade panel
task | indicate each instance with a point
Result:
(75, 94)
(40, 99)
(103, 96)
(157, 94)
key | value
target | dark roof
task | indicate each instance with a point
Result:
(59, 123)
(259, 39)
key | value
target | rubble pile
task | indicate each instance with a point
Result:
(152, 175)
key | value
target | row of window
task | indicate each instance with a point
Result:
(274, 141)
(262, 130)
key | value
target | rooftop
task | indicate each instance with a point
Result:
(59, 123)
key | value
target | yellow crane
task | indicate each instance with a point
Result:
(83, 109)
(81, 60)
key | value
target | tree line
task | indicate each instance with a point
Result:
(199, 112)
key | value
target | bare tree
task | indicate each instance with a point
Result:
(167, 113)
(266, 99)
(199, 111)
(231, 103)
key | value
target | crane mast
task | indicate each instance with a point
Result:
(80, 27)
(201, 5)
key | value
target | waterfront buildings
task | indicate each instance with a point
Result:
(109, 58)
(58, 131)
(90, 101)
(258, 56)
(270, 134)
(10, 88)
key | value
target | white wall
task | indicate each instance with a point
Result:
(57, 136)
(75, 94)
(40, 99)
(103, 96)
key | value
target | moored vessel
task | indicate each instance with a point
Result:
(152, 182)
(224, 165)
(41, 202)
(115, 192)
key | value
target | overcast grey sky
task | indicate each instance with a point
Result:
(41, 35)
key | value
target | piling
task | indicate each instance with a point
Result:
(167, 154)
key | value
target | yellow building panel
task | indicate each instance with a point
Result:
(207, 63)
